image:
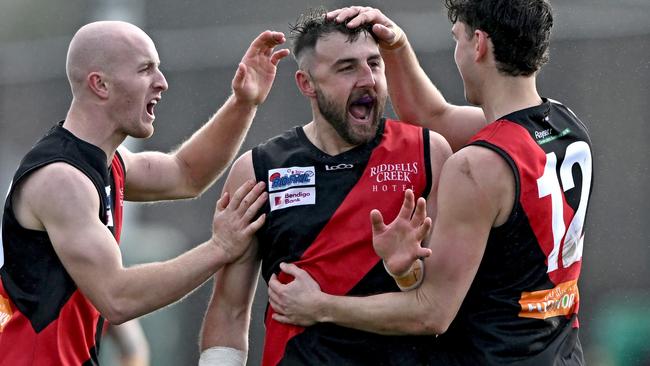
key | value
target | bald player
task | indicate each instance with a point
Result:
(63, 272)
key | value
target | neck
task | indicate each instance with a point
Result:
(94, 129)
(321, 133)
(509, 94)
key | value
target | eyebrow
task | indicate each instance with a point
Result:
(352, 60)
(149, 63)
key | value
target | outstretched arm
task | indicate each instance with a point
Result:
(201, 159)
(89, 253)
(414, 97)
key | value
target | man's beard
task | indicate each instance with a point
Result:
(338, 118)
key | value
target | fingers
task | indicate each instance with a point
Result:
(274, 291)
(274, 284)
(423, 252)
(424, 229)
(255, 225)
(364, 17)
(420, 212)
(266, 41)
(407, 206)
(279, 55)
(377, 222)
(281, 319)
(250, 210)
(293, 270)
(223, 201)
(345, 13)
(246, 194)
(240, 76)
(384, 33)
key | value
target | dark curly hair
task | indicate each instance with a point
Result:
(520, 30)
(314, 25)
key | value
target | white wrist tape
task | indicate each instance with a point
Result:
(222, 356)
(412, 278)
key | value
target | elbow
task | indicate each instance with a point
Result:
(116, 311)
(434, 326)
(194, 191)
(116, 316)
(429, 324)
(432, 318)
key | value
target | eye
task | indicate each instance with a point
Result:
(148, 68)
(346, 68)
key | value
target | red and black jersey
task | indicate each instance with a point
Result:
(522, 306)
(44, 318)
(318, 217)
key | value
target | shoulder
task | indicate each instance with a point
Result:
(241, 171)
(481, 172)
(124, 155)
(480, 164)
(477, 174)
(53, 192)
(438, 145)
(284, 140)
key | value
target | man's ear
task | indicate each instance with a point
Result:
(481, 45)
(97, 83)
(305, 84)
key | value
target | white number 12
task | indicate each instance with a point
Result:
(548, 184)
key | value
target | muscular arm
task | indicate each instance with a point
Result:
(199, 161)
(227, 318)
(416, 99)
(91, 256)
(413, 95)
(476, 193)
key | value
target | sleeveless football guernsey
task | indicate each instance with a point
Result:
(44, 318)
(522, 306)
(318, 217)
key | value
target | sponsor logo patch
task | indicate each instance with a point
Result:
(561, 300)
(5, 312)
(295, 176)
(292, 197)
(548, 135)
(338, 167)
(394, 177)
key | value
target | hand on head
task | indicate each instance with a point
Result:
(390, 35)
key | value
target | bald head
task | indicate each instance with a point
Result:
(101, 47)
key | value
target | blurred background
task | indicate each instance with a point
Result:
(600, 68)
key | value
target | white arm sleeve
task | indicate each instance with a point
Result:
(222, 356)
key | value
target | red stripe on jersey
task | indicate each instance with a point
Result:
(338, 262)
(530, 160)
(117, 170)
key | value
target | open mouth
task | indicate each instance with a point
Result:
(361, 109)
(151, 106)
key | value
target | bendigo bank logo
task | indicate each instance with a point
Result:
(396, 177)
(296, 186)
(283, 178)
